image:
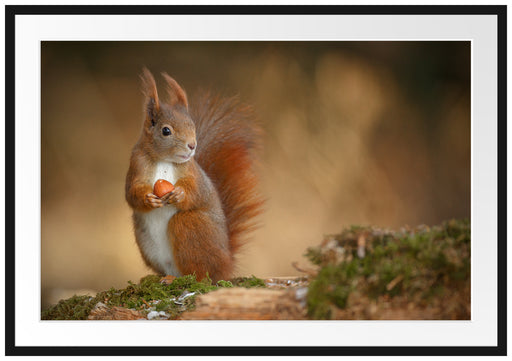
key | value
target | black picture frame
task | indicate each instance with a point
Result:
(10, 182)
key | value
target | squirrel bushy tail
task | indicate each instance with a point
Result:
(228, 138)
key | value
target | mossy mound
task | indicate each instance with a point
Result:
(425, 269)
(74, 308)
(148, 295)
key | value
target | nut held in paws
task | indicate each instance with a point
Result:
(162, 187)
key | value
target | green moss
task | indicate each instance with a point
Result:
(163, 297)
(248, 282)
(420, 263)
(330, 288)
(148, 295)
(225, 284)
(74, 308)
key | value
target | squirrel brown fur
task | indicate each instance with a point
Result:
(208, 153)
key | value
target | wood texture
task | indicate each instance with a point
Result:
(247, 304)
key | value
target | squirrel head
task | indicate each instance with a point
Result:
(168, 131)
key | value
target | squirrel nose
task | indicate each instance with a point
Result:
(192, 146)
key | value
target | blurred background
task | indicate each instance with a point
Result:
(373, 133)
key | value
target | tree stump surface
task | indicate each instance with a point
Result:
(248, 304)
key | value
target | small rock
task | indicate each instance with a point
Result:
(153, 314)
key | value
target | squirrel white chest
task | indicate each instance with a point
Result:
(165, 170)
(154, 239)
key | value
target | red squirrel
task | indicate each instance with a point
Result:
(207, 152)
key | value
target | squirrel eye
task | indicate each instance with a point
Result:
(166, 131)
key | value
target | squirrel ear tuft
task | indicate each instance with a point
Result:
(149, 90)
(176, 93)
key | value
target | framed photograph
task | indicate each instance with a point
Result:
(380, 136)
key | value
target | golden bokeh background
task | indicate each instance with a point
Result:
(372, 133)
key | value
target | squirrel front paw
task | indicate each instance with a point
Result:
(176, 196)
(152, 201)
